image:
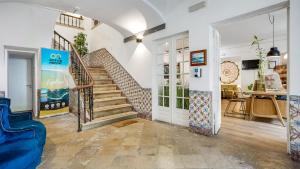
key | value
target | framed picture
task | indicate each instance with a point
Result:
(272, 64)
(198, 58)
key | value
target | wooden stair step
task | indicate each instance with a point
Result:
(107, 108)
(102, 121)
(109, 101)
(107, 92)
(112, 109)
(104, 85)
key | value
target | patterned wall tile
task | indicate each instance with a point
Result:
(139, 97)
(295, 127)
(200, 113)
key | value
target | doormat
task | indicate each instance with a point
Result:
(124, 123)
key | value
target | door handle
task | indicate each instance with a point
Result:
(30, 86)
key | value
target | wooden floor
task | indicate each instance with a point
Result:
(259, 133)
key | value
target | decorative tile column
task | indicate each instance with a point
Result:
(295, 127)
(200, 114)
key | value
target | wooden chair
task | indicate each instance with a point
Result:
(237, 98)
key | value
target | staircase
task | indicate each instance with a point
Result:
(110, 105)
(99, 102)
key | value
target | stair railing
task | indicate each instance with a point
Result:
(83, 79)
(71, 21)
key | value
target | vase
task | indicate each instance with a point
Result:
(259, 85)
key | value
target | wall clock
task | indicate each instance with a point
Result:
(229, 72)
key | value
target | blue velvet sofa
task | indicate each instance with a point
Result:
(21, 141)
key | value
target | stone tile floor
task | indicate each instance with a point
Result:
(150, 145)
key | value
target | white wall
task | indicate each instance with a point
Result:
(294, 68)
(26, 26)
(135, 58)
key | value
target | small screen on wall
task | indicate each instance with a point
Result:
(250, 64)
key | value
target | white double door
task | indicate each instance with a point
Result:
(172, 77)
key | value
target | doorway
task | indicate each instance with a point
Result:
(238, 70)
(172, 80)
(20, 78)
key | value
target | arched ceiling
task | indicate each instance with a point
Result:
(127, 16)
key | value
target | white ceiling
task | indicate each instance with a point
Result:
(241, 32)
(127, 16)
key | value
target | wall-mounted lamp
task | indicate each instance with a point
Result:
(139, 38)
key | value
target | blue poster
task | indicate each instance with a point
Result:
(54, 93)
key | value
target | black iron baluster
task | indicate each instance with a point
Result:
(78, 106)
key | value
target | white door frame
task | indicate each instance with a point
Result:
(35, 72)
(216, 91)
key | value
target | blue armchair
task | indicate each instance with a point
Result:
(20, 116)
(19, 147)
(24, 119)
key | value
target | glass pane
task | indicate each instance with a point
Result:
(160, 91)
(179, 80)
(179, 103)
(186, 55)
(179, 44)
(186, 67)
(186, 42)
(186, 81)
(160, 101)
(166, 59)
(179, 68)
(166, 102)
(166, 90)
(186, 104)
(179, 91)
(179, 56)
(186, 92)
(166, 69)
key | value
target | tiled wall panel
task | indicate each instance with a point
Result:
(200, 113)
(139, 97)
(295, 127)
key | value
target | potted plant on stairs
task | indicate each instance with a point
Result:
(80, 44)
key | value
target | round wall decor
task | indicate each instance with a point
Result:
(229, 72)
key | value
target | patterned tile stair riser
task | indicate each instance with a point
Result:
(200, 117)
(295, 127)
(139, 97)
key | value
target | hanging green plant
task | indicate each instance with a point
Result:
(80, 44)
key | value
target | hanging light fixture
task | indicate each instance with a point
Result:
(274, 52)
